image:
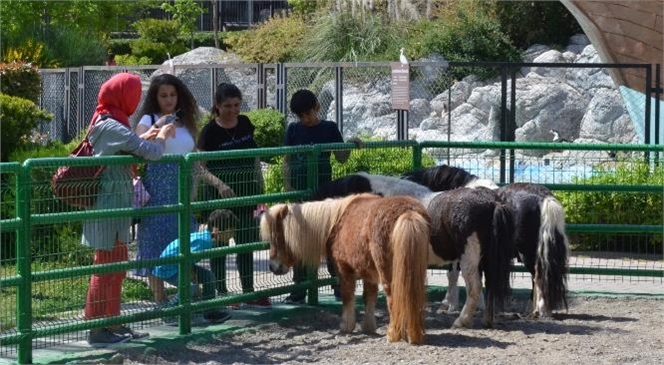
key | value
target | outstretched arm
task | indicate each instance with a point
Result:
(285, 169)
(202, 173)
(343, 156)
(259, 174)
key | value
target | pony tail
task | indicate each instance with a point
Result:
(410, 244)
(552, 256)
(499, 259)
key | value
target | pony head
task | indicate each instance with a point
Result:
(272, 230)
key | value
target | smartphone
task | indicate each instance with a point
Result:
(170, 118)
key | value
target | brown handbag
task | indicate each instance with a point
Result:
(78, 186)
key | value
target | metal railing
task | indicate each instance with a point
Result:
(30, 212)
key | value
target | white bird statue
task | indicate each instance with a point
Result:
(170, 64)
(402, 58)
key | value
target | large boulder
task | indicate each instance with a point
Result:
(232, 71)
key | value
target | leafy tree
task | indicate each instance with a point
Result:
(40, 21)
(546, 22)
(306, 7)
(186, 12)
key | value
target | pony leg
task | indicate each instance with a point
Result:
(393, 335)
(347, 287)
(451, 301)
(370, 297)
(470, 270)
(540, 308)
(530, 306)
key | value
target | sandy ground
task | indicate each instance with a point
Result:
(595, 330)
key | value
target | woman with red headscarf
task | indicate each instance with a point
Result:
(110, 134)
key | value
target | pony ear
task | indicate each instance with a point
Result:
(282, 212)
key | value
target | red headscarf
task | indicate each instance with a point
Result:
(119, 97)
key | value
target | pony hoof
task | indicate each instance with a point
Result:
(392, 338)
(368, 329)
(416, 340)
(446, 309)
(460, 324)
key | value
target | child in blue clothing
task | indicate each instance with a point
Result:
(220, 228)
(310, 130)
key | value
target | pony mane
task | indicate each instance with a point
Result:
(307, 227)
(444, 177)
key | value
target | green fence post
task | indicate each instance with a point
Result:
(23, 243)
(184, 272)
(417, 157)
(312, 185)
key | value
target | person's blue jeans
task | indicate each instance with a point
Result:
(204, 277)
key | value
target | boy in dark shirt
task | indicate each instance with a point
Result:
(310, 130)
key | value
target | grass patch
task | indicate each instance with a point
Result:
(58, 299)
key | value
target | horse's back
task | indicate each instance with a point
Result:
(369, 220)
(379, 213)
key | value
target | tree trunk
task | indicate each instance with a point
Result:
(215, 22)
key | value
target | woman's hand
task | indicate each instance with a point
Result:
(225, 191)
(166, 132)
(150, 134)
(356, 141)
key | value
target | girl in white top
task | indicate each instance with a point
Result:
(168, 101)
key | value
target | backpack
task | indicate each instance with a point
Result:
(78, 186)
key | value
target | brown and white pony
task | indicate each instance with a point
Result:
(540, 240)
(380, 240)
(469, 226)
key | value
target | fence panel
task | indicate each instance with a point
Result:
(508, 101)
(605, 244)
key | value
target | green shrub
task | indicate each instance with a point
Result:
(206, 39)
(20, 79)
(27, 50)
(391, 161)
(306, 7)
(71, 47)
(157, 39)
(342, 37)
(270, 127)
(276, 40)
(614, 207)
(50, 242)
(119, 46)
(19, 117)
(131, 60)
(381, 161)
(468, 34)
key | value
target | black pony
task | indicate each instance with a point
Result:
(540, 239)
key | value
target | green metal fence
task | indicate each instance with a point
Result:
(44, 269)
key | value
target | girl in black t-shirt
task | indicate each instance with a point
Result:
(228, 130)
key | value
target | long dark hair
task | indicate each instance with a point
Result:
(188, 113)
(224, 91)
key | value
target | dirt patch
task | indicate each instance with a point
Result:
(608, 330)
